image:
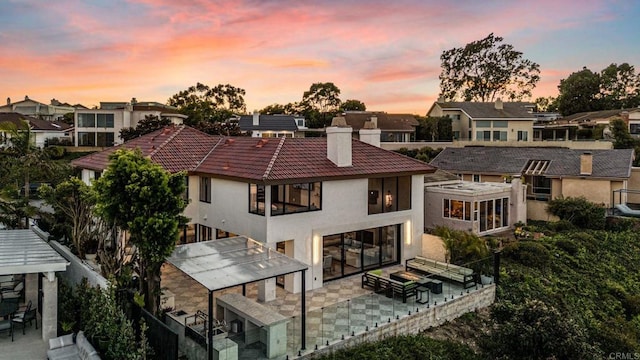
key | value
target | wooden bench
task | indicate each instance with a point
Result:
(389, 287)
(459, 274)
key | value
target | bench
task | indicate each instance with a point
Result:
(63, 347)
(442, 270)
(381, 284)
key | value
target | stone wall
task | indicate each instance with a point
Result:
(416, 322)
(77, 269)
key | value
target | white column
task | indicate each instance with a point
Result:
(49, 306)
(267, 290)
(31, 288)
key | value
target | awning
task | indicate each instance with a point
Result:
(24, 252)
(223, 263)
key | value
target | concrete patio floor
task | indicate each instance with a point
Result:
(29, 346)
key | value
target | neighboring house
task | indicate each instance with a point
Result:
(481, 208)
(488, 121)
(548, 172)
(272, 126)
(40, 129)
(50, 112)
(592, 119)
(338, 204)
(394, 127)
(101, 127)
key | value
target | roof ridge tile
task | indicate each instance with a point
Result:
(222, 138)
(273, 159)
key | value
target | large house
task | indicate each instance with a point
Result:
(338, 204)
(548, 172)
(101, 127)
(266, 126)
(42, 130)
(487, 121)
(29, 107)
(393, 127)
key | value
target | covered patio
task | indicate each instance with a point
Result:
(24, 252)
(237, 261)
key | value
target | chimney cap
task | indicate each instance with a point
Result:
(339, 121)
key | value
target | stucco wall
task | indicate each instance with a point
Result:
(634, 184)
(597, 191)
(537, 210)
(433, 247)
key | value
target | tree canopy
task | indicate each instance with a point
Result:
(353, 105)
(149, 124)
(209, 104)
(486, 69)
(141, 198)
(615, 87)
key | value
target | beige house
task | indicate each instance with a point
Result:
(484, 122)
(51, 112)
(548, 172)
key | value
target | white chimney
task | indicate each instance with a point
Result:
(586, 163)
(370, 134)
(256, 118)
(499, 105)
(374, 121)
(339, 142)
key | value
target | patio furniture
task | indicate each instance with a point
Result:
(15, 292)
(462, 275)
(421, 290)
(27, 317)
(7, 325)
(388, 286)
(404, 276)
(435, 286)
(63, 347)
(8, 307)
(6, 282)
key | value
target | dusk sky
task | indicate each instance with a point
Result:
(384, 53)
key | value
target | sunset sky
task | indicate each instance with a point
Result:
(384, 53)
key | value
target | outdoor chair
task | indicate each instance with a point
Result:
(327, 264)
(15, 292)
(27, 317)
(27, 308)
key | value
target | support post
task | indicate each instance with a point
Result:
(244, 290)
(210, 327)
(496, 267)
(303, 311)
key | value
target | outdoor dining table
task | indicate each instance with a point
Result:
(8, 307)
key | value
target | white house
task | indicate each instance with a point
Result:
(50, 112)
(101, 127)
(338, 204)
(41, 130)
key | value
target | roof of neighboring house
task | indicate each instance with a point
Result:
(269, 123)
(386, 122)
(161, 108)
(175, 148)
(487, 110)
(440, 176)
(272, 161)
(515, 160)
(36, 124)
(594, 115)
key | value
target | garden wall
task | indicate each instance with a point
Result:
(77, 269)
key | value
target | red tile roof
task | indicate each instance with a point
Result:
(175, 148)
(274, 160)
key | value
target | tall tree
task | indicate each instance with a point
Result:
(320, 103)
(203, 103)
(620, 86)
(143, 199)
(353, 105)
(579, 92)
(544, 104)
(486, 69)
(434, 128)
(149, 124)
(622, 139)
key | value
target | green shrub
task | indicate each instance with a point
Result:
(528, 253)
(55, 152)
(578, 211)
(568, 245)
(619, 224)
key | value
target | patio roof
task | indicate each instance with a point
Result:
(223, 263)
(24, 252)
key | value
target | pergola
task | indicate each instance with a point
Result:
(24, 252)
(225, 263)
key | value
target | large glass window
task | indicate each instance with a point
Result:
(86, 120)
(500, 124)
(493, 214)
(457, 209)
(104, 139)
(295, 198)
(86, 139)
(483, 135)
(523, 135)
(540, 188)
(499, 136)
(483, 124)
(256, 199)
(389, 194)
(105, 120)
(205, 189)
